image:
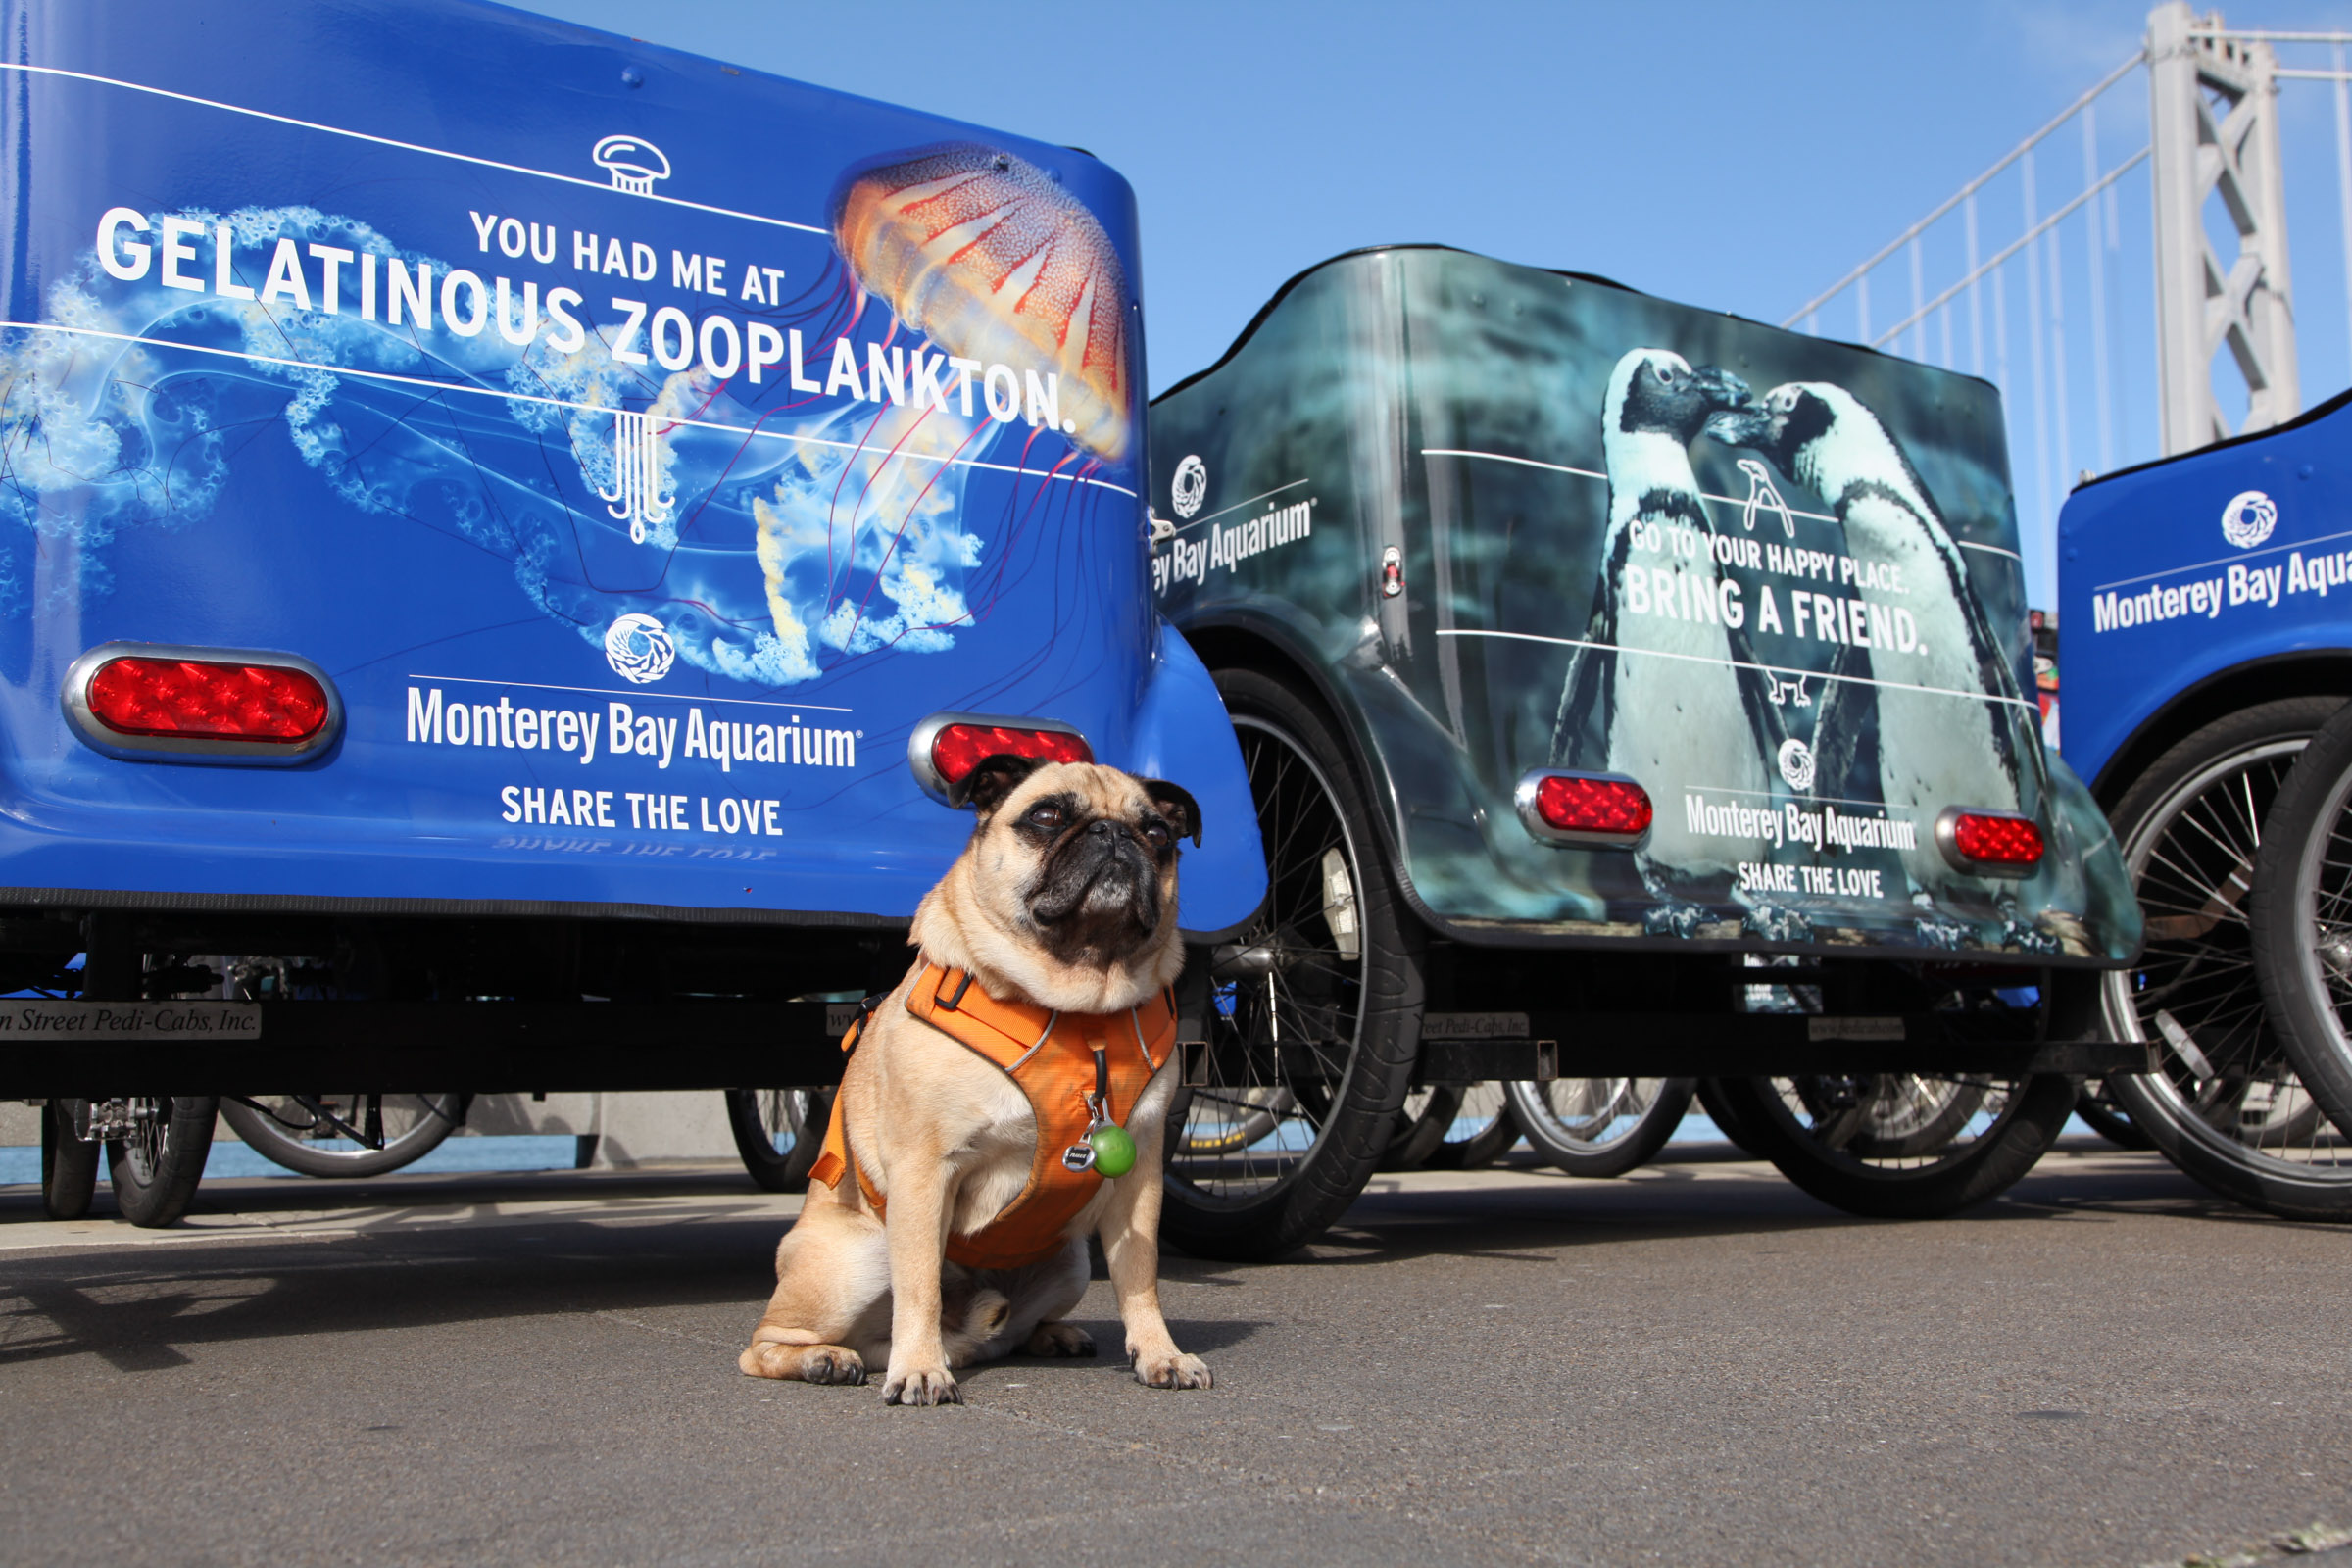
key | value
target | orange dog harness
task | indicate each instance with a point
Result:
(1056, 1059)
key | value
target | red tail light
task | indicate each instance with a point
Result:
(184, 697)
(147, 701)
(946, 747)
(1989, 843)
(1602, 810)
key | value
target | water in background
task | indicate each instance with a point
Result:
(21, 1163)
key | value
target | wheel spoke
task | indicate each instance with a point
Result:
(2221, 1084)
(1299, 1020)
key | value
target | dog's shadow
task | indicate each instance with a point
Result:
(1197, 1335)
(1200, 1337)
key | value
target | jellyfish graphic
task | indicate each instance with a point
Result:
(985, 256)
(773, 532)
(994, 261)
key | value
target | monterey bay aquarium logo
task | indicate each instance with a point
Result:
(2201, 592)
(639, 649)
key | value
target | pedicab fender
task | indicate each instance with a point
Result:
(1182, 734)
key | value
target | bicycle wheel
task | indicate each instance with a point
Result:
(2102, 1116)
(344, 1135)
(1317, 1006)
(1421, 1127)
(68, 1160)
(1247, 1115)
(156, 1161)
(1727, 1122)
(1483, 1131)
(779, 1133)
(2302, 931)
(1599, 1126)
(1906, 1114)
(1821, 1132)
(2223, 1099)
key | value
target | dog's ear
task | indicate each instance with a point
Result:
(991, 779)
(1176, 803)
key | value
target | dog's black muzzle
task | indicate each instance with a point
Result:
(1103, 872)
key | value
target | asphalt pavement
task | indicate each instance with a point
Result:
(1697, 1364)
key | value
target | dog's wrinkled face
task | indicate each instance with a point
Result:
(1080, 859)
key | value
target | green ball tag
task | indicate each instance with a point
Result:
(1115, 1150)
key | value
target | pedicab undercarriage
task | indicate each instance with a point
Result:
(1819, 1068)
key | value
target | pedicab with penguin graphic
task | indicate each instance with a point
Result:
(1633, 695)
(512, 538)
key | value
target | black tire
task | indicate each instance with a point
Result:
(1486, 1108)
(2302, 926)
(1726, 1120)
(2102, 1116)
(1268, 1156)
(68, 1163)
(156, 1167)
(1805, 1126)
(779, 1133)
(1601, 1127)
(283, 1129)
(1421, 1125)
(2222, 1099)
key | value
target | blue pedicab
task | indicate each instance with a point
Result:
(521, 529)
(2207, 646)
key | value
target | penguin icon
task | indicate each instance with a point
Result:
(1941, 688)
(1763, 495)
(1657, 691)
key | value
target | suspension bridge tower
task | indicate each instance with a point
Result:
(2213, 112)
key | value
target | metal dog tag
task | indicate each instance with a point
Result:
(1079, 1156)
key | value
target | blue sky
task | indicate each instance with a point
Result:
(1739, 157)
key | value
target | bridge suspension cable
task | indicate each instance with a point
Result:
(2097, 392)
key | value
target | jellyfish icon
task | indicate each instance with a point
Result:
(637, 475)
(990, 258)
(633, 163)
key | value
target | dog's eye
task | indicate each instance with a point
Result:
(1156, 834)
(1045, 816)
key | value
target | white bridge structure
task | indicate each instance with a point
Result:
(2108, 351)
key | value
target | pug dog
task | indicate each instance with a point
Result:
(1065, 899)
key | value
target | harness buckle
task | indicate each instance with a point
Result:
(866, 1007)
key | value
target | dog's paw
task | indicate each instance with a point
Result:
(1059, 1338)
(922, 1386)
(767, 1360)
(810, 1363)
(832, 1363)
(1176, 1371)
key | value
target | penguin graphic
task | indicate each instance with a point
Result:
(1946, 706)
(1657, 692)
